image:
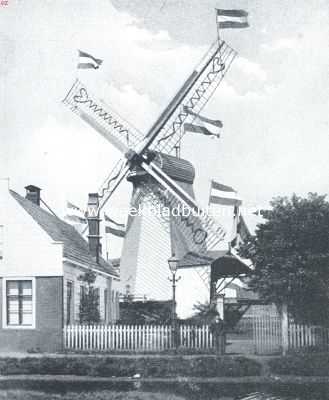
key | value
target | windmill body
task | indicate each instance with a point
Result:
(151, 237)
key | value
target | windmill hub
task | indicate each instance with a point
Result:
(176, 168)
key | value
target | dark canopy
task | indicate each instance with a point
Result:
(227, 266)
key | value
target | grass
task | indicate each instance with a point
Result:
(301, 364)
(169, 352)
(102, 395)
(206, 366)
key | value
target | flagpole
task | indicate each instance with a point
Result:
(76, 66)
(218, 37)
(217, 25)
(106, 237)
(210, 187)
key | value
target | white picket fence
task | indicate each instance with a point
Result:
(135, 337)
(267, 335)
(307, 336)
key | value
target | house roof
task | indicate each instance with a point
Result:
(76, 248)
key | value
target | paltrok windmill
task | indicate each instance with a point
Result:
(159, 178)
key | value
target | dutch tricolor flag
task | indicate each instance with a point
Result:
(232, 19)
(223, 195)
(87, 61)
(114, 228)
(201, 124)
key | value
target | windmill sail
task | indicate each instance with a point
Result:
(198, 227)
(206, 79)
(102, 117)
(112, 181)
(110, 125)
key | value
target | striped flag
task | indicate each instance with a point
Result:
(87, 61)
(113, 227)
(223, 195)
(232, 19)
(74, 214)
(203, 125)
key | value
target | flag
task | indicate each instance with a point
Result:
(203, 125)
(74, 214)
(87, 61)
(199, 129)
(113, 227)
(232, 19)
(223, 195)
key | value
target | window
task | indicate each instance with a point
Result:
(69, 302)
(1, 242)
(19, 305)
(97, 295)
(82, 291)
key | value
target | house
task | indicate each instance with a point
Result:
(41, 260)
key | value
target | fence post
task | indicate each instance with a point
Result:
(284, 329)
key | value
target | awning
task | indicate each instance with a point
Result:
(228, 266)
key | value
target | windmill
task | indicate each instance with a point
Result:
(158, 177)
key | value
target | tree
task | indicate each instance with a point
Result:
(290, 253)
(89, 300)
(145, 312)
(204, 313)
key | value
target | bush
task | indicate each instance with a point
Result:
(98, 395)
(301, 364)
(206, 366)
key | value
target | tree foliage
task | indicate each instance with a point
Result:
(89, 300)
(145, 312)
(204, 313)
(290, 253)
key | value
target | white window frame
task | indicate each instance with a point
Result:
(4, 302)
(2, 239)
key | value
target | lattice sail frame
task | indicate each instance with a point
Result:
(102, 117)
(214, 67)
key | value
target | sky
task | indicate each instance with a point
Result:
(273, 101)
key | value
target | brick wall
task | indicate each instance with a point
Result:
(47, 335)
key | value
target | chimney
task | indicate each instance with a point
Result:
(94, 238)
(33, 194)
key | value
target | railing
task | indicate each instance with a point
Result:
(135, 337)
